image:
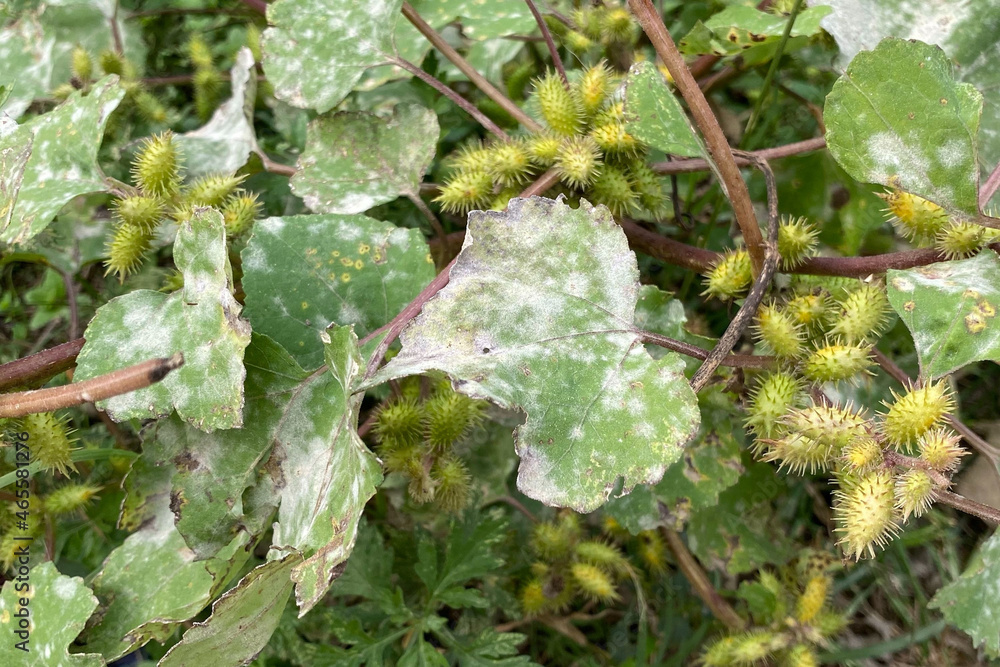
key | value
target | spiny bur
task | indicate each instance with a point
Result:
(70, 498)
(239, 212)
(940, 450)
(810, 310)
(618, 26)
(466, 191)
(578, 162)
(561, 108)
(613, 189)
(959, 239)
(139, 210)
(914, 492)
(212, 190)
(156, 167)
(730, 277)
(835, 361)
(797, 239)
(51, 441)
(400, 422)
(593, 582)
(543, 149)
(865, 512)
(812, 599)
(773, 396)
(453, 483)
(916, 218)
(126, 250)
(604, 556)
(831, 425)
(81, 63)
(861, 315)
(917, 411)
(509, 163)
(593, 88)
(449, 416)
(799, 453)
(862, 455)
(779, 331)
(653, 551)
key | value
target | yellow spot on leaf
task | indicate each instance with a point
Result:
(346, 261)
(975, 322)
(359, 265)
(364, 248)
(909, 306)
(345, 277)
(305, 305)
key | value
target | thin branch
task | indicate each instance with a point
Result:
(256, 5)
(477, 79)
(697, 164)
(541, 184)
(462, 103)
(272, 167)
(984, 512)
(74, 311)
(988, 189)
(96, 389)
(40, 367)
(970, 436)
(667, 249)
(432, 220)
(734, 360)
(553, 51)
(702, 587)
(722, 155)
(761, 284)
(116, 34)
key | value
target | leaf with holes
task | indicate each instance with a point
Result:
(950, 308)
(539, 316)
(302, 273)
(316, 50)
(62, 163)
(201, 320)
(325, 472)
(354, 160)
(59, 608)
(654, 116)
(915, 130)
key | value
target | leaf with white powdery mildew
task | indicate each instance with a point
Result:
(59, 608)
(654, 116)
(62, 163)
(304, 272)
(201, 320)
(317, 50)
(538, 315)
(969, 603)
(241, 623)
(355, 160)
(915, 129)
(950, 308)
(224, 143)
(326, 473)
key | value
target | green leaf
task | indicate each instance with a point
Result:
(468, 553)
(750, 32)
(966, 31)
(552, 334)
(317, 50)
(969, 602)
(741, 533)
(422, 654)
(489, 649)
(241, 623)
(368, 574)
(152, 582)
(915, 129)
(326, 472)
(62, 164)
(58, 606)
(950, 308)
(654, 116)
(202, 321)
(302, 273)
(354, 160)
(480, 20)
(224, 144)
(212, 471)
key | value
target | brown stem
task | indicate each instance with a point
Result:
(96, 389)
(970, 436)
(116, 34)
(541, 184)
(989, 187)
(462, 103)
(667, 249)
(432, 219)
(760, 286)
(74, 312)
(256, 5)
(553, 51)
(40, 367)
(178, 79)
(703, 588)
(894, 458)
(734, 360)
(718, 147)
(984, 512)
(272, 167)
(697, 164)
(477, 79)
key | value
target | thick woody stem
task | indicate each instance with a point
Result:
(41, 366)
(718, 147)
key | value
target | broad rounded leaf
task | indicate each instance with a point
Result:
(355, 160)
(914, 128)
(302, 273)
(201, 320)
(325, 473)
(480, 20)
(63, 160)
(225, 143)
(538, 315)
(316, 50)
(654, 116)
(969, 602)
(59, 608)
(950, 308)
(241, 623)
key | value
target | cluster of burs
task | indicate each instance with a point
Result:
(418, 432)
(789, 617)
(821, 331)
(583, 139)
